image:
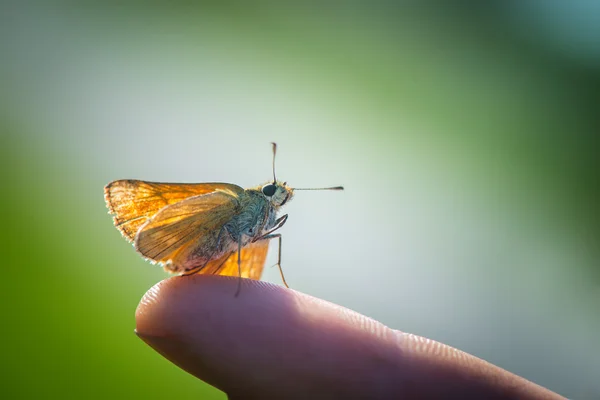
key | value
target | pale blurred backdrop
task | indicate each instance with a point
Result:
(465, 138)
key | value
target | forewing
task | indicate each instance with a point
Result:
(133, 202)
(180, 228)
(252, 262)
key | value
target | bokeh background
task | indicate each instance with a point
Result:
(465, 135)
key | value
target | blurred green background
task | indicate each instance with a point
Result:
(465, 135)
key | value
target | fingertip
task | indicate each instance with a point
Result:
(199, 324)
(179, 304)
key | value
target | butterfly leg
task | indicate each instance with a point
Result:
(278, 236)
(270, 235)
(278, 224)
(239, 263)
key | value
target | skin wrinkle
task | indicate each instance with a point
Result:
(459, 366)
(278, 342)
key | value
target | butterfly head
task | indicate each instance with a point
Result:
(278, 193)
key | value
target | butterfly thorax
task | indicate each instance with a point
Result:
(256, 217)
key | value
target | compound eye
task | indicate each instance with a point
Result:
(269, 190)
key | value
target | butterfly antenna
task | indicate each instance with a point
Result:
(327, 188)
(274, 153)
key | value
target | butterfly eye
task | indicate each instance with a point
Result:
(269, 190)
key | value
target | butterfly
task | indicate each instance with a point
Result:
(202, 228)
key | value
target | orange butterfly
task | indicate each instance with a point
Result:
(205, 228)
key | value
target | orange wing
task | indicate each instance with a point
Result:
(133, 202)
(253, 258)
(186, 233)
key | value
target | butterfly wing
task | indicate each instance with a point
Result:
(133, 202)
(186, 234)
(253, 258)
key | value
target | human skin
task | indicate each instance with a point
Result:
(273, 342)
